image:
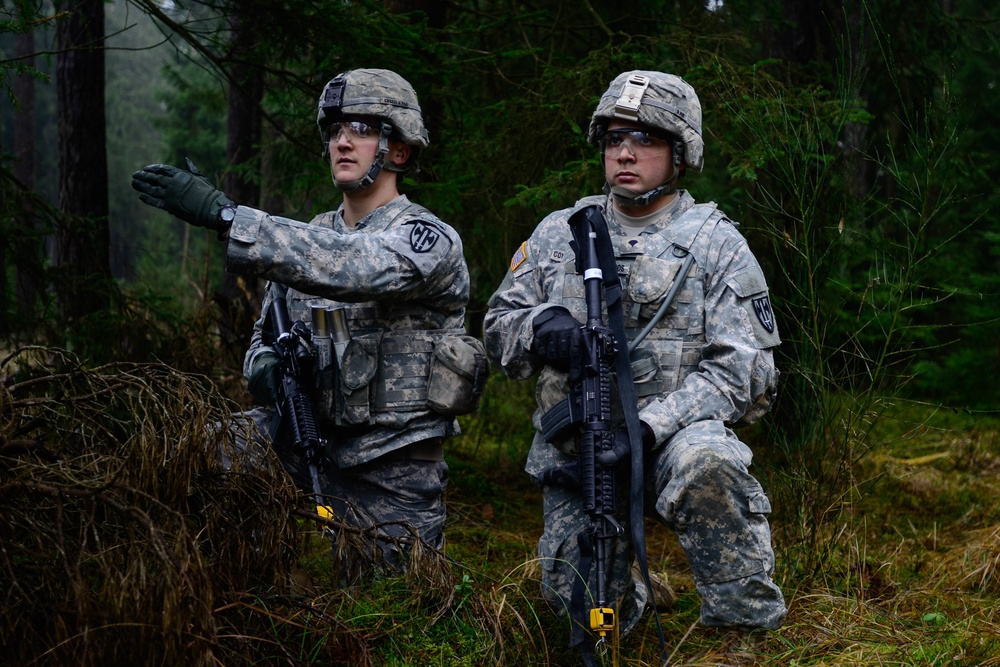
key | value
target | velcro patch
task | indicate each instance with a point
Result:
(519, 257)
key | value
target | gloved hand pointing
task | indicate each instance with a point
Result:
(185, 193)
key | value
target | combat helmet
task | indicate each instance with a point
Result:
(660, 101)
(378, 93)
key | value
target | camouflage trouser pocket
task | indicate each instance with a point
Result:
(759, 508)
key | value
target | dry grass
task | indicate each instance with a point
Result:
(123, 540)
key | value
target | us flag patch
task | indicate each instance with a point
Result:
(519, 257)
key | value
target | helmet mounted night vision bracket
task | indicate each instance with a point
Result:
(335, 92)
(628, 103)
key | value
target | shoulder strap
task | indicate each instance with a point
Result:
(683, 231)
(690, 228)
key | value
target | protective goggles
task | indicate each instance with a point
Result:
(355, 129)
(639, 142)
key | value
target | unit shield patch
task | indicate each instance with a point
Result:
(423, 237)
(762, 308)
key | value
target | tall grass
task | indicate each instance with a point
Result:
(850, 261)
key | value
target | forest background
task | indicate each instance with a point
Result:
(855, 142)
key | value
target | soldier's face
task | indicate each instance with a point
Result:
(635, 160)
(353, 145)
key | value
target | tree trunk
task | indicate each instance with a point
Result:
(27, 276)
(240, 299)
(83, 243)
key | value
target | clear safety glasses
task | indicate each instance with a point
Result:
(355, 129)
(639, 142)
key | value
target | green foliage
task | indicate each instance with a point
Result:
(23, 17)
(857, 145)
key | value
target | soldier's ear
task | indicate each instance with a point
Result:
(400, 153)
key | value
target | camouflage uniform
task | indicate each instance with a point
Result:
(399, 274)
(707, 364)
(402, 277)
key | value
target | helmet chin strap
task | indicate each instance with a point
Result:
(383, 149)
(628, 199)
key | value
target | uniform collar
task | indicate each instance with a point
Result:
(657, 221)
(376, 220)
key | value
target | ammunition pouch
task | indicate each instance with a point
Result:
(384, 376)
(357, 370)
(458, 373)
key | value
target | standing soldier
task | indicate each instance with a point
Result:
(399, 275)
(705, 366)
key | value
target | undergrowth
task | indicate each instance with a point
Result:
(912, 575)
(121, 543)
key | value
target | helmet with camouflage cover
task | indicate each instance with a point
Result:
(374, 93)
(660, 101)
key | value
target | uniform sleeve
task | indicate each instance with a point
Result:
(737, 360)
(400, 262)
(521, 297)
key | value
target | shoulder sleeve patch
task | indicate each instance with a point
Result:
(751, 293)
(765, 316)
(520, 257)
(423, 236)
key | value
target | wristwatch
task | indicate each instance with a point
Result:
(226, 216)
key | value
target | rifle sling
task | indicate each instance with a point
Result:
(629, 404)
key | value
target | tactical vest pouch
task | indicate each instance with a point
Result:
(459, 369)
(357, 370)
(649, 282)
(401, 383)
(645, 372)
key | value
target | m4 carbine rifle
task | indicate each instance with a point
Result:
(588, 408)
(295, 405)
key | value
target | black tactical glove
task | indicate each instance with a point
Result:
(264, 380)
(557, 337)
(185, 193)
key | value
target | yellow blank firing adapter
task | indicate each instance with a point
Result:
(602, 620)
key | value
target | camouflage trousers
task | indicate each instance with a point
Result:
(697, 484)
(392, 501)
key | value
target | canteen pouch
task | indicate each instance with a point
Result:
(459, 368)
